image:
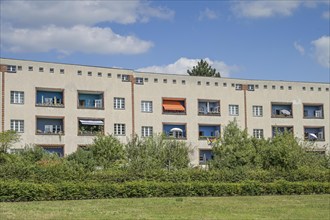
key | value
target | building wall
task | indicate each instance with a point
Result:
(194, 89)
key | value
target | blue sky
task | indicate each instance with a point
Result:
(276, 40)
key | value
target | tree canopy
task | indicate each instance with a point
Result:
(203, 69)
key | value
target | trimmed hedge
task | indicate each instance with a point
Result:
(27, 191)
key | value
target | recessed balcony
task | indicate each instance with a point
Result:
(50, 126)
(175, 131)
(90, 100)
(49, 98)
(282, 110)
(208, 107)
(90, 127)
(313, 111)
(175, 106)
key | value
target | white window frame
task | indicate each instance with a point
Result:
(146, 106)
(139, 80)
(258, 133)
(233, 110)
(257, 111)
(17, 125)
(119, 103)
(119, 129)
(16, 97)
(146, 131)
(11, 69)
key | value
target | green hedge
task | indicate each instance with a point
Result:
(27, 191)
(65, 172)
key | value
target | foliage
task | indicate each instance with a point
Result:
(27, 191)
(7, 139)
(106, 151)
(203, 69)
(156, 153)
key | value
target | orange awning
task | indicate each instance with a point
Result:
(170, 105)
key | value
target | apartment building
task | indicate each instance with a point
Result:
(61, 107)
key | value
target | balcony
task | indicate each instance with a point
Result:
(205, 156)
(90, 100)
(50, 126)
(175, 131)
(206, 107)
(282, 110)
(281, 129)
(314, 133)
(313, 111)
(174, 106)
(90, 127)
(49, 98)
(58, 150)
(209, 132)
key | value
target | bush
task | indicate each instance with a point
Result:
(25, 191)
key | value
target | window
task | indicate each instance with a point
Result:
(79, 72)
(118, 76)
(164, 80)
(155, 80)
(256, 86)
(224, 84)
(327, 89)
(319, 89)
(146, 79)
(61, 71)
(289, 87)
(257, 111)
(89, 73)
(258, 133)
(41, 69)
(109, 75)
(30, 68)
(233, 110)
(174, 81)
(251, 87)
(119, 129)
(125, 78)
(199, 83)
(312, 88)
(51, 70)
(16, 97)
(19, 68)
(139, 80)
(304, 88)
(99, 74)
(265, 86)
(233, 85)
(119, 103)
(273, 87)
(11, 69)
(207, 83)
(146, 131)
(183, 82)
(146, 106)
(17, 125)
(216, 84)
(281, 87)
(238, 87)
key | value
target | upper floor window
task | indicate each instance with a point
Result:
(41, 69)
(119, 103)
(51, 70)
(99, 74)
(49, 97)
(146, 131)
(30, 68)
(19, 68)
(125, 78)
(17, 125)
(257, 111)
(79, 72)
(61, 71)
(119, 129)
(265, 86)
(282, 110)
(139, 80)
(109, 75)
(146, 106)
(233, 110)
(183, 82)
(11, 69)
(89, 73)
(199, 83)
(174, 106)
(16, 97)
(164, 80)
(90, 99)
(238, 86)
(251, 87)
(216, 84)
(155, 80)
(224, 84)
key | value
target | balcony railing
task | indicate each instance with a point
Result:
(210, 111)
(51, 102)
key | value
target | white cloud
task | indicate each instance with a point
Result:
(70, 13)
(67, 40)
(298, 47)
(181, 65)
(262, 9)
(322, 50)
(326, 15)
(207, 14)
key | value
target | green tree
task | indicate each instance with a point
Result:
(203, 69)
(7, 139)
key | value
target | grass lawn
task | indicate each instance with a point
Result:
(240, 207)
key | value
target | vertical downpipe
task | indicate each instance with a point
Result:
(245, 109)
(132, 98)
(3, 70)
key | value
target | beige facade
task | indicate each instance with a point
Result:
(208, 103)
